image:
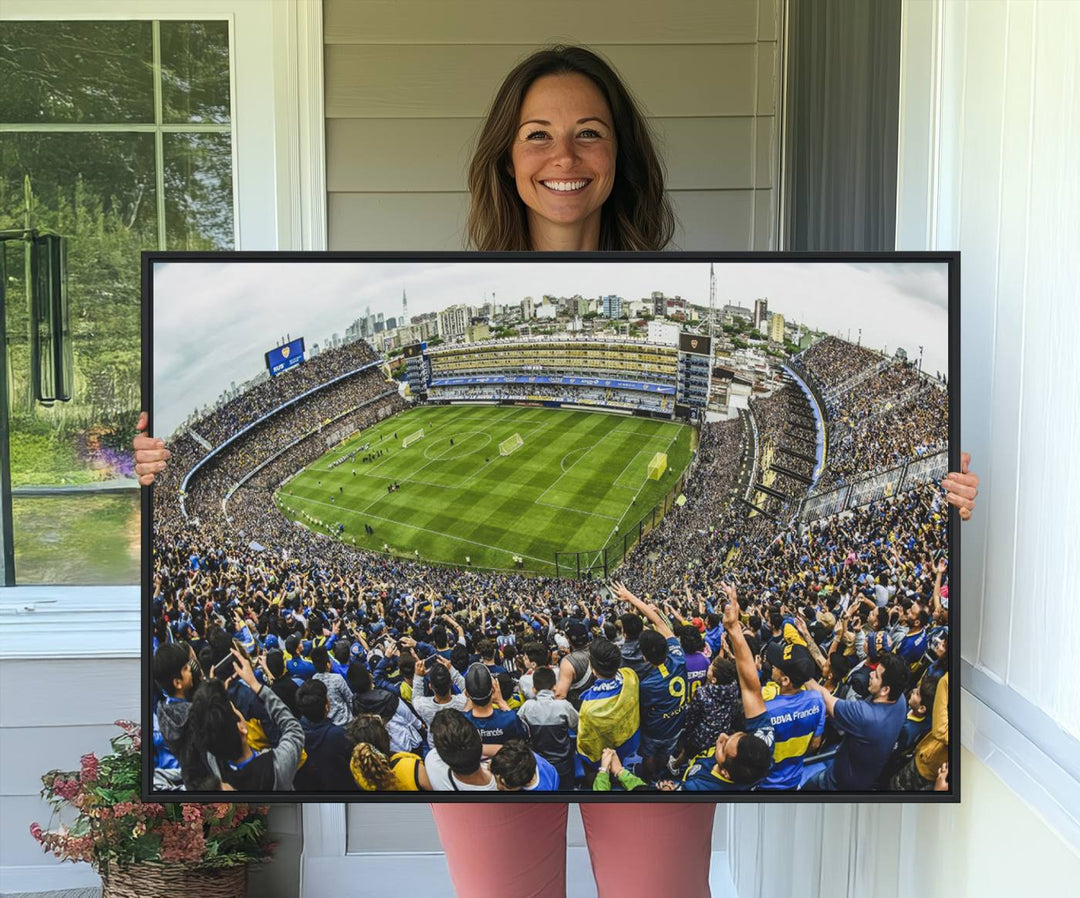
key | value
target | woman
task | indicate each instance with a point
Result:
(220, 732)
(375, 767)
(565, 162)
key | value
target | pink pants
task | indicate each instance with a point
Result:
(520, 849)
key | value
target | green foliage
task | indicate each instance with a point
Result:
(113, 827)
(99, 190)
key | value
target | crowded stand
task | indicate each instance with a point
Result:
(880, 412)
(618, 373)
(745, 651)
(593, 356)
(774, 415)
(265, 397)
(556, 393)
(833, 362)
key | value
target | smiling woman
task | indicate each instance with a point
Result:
(565, 160)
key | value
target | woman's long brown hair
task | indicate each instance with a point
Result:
(369, 762)
(637, 214)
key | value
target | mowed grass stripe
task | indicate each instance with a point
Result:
(465, 499)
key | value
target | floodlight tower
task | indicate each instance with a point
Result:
(712, 298)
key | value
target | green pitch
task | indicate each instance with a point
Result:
(579, 482)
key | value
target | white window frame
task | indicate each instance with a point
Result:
(277, 105)
(276, 81)
(278, 141)
(1034, 756)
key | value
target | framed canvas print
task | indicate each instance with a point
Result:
(509, 527)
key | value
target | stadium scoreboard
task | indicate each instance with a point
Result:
(417, 367)
(694, 372)
(695, 344)
(282, 358)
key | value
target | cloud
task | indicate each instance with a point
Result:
(214, 321)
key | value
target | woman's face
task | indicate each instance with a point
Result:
(563, 160)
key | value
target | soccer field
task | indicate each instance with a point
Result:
(577, 478)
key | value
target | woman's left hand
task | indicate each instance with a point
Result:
(962, 488)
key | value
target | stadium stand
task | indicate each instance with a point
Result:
(862, 582)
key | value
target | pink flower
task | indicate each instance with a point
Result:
(182, 842)
(192, 813)
(36, 831)
(123, 808)
(65, 788)
(89, 767)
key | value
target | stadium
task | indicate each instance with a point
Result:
(362, 531)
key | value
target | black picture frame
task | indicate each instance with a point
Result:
(951, 259)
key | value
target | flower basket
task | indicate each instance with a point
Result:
(173, 881)
(149, 849)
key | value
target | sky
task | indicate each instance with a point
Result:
(214, 321)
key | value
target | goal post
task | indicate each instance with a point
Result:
(412, 438)
(511, 444)
(657, 465)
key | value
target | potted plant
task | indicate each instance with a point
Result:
(148, 849)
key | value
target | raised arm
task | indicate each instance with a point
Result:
(651, 614)
(940, 569)
(749, 683)
(812, 647)
(673, 613)
(455, 677)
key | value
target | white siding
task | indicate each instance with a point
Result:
(1005, 191)
(408, 83)
(68, 669)
(989, 136)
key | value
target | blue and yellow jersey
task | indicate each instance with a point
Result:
(664, 696)
(796, 720)
(703, 774)
(609, 717)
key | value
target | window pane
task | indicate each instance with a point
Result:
(77, 540)
(76, 72)
(198, 192)
(195, 72)
(98, 191)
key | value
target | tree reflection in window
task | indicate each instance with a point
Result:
(118, 136)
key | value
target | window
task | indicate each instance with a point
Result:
(117, 135)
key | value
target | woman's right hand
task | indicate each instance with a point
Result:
(150, 453)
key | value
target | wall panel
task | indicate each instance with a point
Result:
(408, 84)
